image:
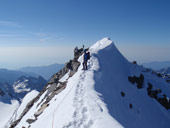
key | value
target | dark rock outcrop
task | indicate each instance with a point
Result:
(138, 80)
(30, 121)
(122, 94)
(1, 93)
(158, 96)
(130, 106)
(134, 62)
(164, 101)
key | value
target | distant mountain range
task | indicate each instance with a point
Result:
(10, 76)
(14, 85)
(165, 71)
(45, 71)
(157, 65)
(20, 88)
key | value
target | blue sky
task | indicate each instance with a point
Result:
(42, 32)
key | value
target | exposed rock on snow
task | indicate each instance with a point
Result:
(159, 96)
(138, 80)
(122, 94)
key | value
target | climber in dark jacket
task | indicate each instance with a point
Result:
(86, 58)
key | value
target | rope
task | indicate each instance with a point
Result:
(60, 104)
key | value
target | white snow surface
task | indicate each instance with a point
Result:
(6, 110)
(92, 98)
(18, 109)
(21, 86)
(25, 101)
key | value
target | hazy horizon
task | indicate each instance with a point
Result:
(36, 33)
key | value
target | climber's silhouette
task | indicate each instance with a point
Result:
(86, 58)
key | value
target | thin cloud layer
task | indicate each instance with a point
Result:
(11, 35)
(9, 24)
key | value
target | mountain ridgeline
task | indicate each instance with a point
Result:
(11, 76)
(157, 65)
(112, 93)
(45, 71)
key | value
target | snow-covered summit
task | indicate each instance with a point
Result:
(112, 93)
(101, 44)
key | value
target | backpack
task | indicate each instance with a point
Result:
(88, 55)
(85, 56)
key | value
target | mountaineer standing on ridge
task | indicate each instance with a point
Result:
(86, 58)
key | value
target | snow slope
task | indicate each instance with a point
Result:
(112, 79)
(18, 109)
(94, 98)
(6, 110)
(7, 103)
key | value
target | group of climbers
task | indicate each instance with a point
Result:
(86, 56)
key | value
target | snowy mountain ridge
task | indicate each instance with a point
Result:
(24, 84)
(165, 73)
(111, 93)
